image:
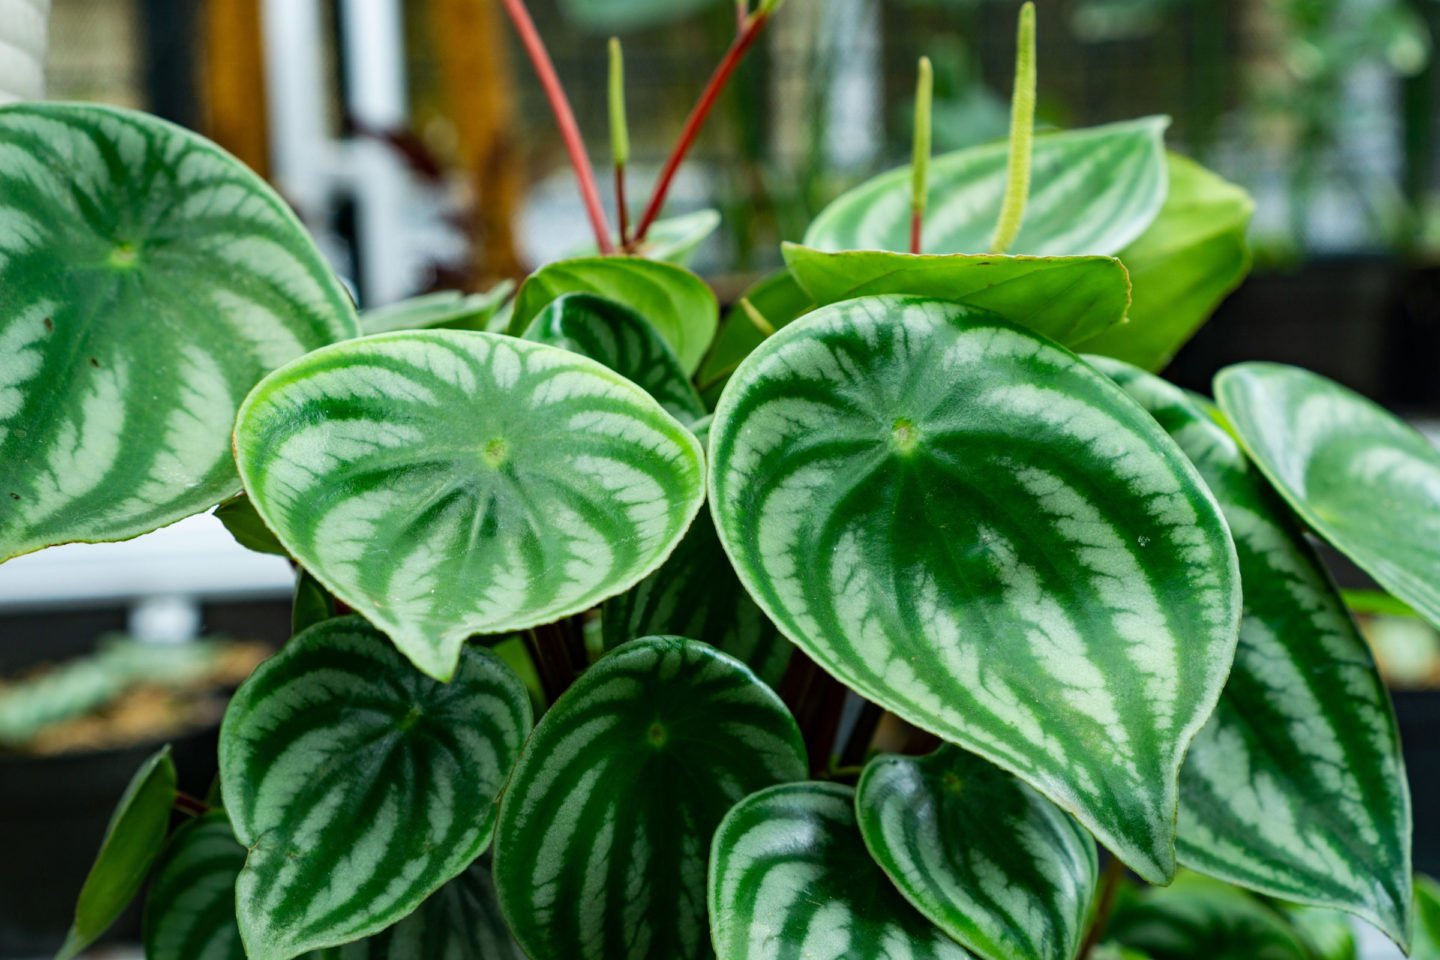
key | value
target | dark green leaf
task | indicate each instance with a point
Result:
(239, 517)
(1198, 918)
(766, 307)
(360, 785)
(312, 603)
(605, 827)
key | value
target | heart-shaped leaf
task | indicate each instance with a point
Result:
(671, 299)
(621, 339)
(790, 877)
(770, 304)
(1181, 267)
(444, 308)
(697, 595)
(1198, 918)
(605, 827)
(1092, 192)
(1296, 786)
(448, 483)
(984, 857)
(133, 839)
(1068, 299)
(977, 531)
(149, 281)
(360, 785)
(1361, 478)
(191, 910)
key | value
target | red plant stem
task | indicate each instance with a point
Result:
(189, 806)
(564, 119)
(917, 224)
(703, 106)
(620, 208)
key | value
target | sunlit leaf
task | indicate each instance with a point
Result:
(605, 827)
(974, 529)
(360, 785)
(448, 483)
(444, 308)
(149, 281)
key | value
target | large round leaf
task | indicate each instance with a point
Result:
(671, 299)
(1358, 476)
(1092, 192)
(1296, 787)
(605, 827)
(452, 483)
(986, 858)
(1068, 299)
(790, 879)
(621, 339)
(149, 281)
(974, 529)
(360, 785)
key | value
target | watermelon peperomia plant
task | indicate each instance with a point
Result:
(851, 624)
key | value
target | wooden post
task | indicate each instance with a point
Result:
(234, 81)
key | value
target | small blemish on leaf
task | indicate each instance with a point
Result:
(95, 363)
(14, 496)
(49, 325)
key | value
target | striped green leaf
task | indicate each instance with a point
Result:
(444, 308)
(1198, 918)
(447, 483)
(1068, 299)
(771, 303)
(190, 913)
(790, 879)
(1092, 192)
(359, 785)
(976, 530)
(149, 281)
(672, 299)
(1296, 787)
(697, 595)
(621, 339)
(1181, 267)
(984, 857)
(133, 839)
(1360, 477)
(605, 827)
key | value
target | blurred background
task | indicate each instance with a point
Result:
(412, 139)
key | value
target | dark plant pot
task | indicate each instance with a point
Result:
(53, 814)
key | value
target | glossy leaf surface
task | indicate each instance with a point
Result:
(1068, 299)
(671, 299)
(983, 856)
(1199, 918)
(1296, 787)
(605, 827)
(1092, 191)
(1360, 477)
(622, 340)
(790, 879)
(444, 308)
(133, 839)
(1181, 267)
(149, 281)
(977, 531)
(451, 483)
(360, 785)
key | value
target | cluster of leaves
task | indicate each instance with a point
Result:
(1094, 588)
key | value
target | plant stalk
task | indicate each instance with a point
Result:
(1109, 886)
(749, 32)
(920, 162)
(619, 136)
(552, 660)
(1022, 134)
(564, 119)
(190, 806)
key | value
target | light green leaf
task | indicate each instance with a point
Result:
(1068, 299)
(1426, 945)
(447, 483)
(984, 857)
(975, 530)
(697, 595)
(605, 827)
(359, 785)
(622, 340)
(1092, 191)
(1191, 256)
(671, 299)
(790, 878)
(444, 308)
(149, 281)
(1198, 918)
(311, 603)
(1361, 478)
(133, 839)
(767, 306)
(244, 524)
(1296, 787)
(671, 239)
(1328, 933)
